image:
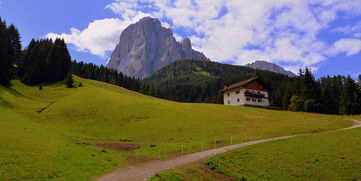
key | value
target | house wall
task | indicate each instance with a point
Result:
(231, 98)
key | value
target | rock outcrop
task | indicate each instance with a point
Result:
(263, 65)
(146, 46)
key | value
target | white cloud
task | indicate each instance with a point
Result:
(236, 30)
(347, 46)
(100, 35)
(356, 28)
(279, 31)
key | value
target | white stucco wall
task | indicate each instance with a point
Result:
(231, 98)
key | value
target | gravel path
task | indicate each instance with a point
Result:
(149, 169)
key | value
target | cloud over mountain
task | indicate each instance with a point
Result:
(282, 31)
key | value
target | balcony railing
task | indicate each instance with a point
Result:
(254, 94)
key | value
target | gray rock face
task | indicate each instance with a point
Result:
(146, 46)
(263, 65)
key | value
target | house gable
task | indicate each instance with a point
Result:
(255, 85)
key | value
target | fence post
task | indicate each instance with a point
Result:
(182, 149)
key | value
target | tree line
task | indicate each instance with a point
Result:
(10, 51)
(330, 95)
(41, 62)
(44, 61)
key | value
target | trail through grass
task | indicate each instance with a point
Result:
(321, 156)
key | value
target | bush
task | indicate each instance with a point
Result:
(40, 87)
(80, 84)
(297, 104)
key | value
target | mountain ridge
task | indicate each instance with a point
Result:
(264, 65)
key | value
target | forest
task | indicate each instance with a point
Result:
(43, 61)
(330, 95)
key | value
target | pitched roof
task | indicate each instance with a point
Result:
(243, 83)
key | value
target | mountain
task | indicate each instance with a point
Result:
(263, 65)
(146, 46)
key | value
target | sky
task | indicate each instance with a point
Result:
(324, 35)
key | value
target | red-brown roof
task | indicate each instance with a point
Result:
(243, 83)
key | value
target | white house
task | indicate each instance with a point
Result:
(252, 92)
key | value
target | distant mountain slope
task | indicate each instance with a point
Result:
(193, 71)
(146, 46)
(263, 65)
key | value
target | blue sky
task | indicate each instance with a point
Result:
(323, 35)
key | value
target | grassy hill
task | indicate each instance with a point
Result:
(323, 156)
(81, 133)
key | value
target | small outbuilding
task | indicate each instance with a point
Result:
(252, 92)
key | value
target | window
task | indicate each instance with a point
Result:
(253, 100)
(229, 102)
(248, 99)
(259, 100)
(258, 92)
(237, 92)
(228, 94)
(237, 99)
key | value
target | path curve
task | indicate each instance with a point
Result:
(146, 170)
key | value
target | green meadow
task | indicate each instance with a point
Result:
(322, 156)
(82, 133)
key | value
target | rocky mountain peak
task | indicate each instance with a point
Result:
(146, 46)
(264, 65)
(186, 44)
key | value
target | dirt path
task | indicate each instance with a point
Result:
(147, 170)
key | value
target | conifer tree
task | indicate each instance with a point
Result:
(349, 102)
(5, 63)
(257, 73)
(69, 80)
(10, 49)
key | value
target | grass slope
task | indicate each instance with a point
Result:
(49, 134)
(324, 156)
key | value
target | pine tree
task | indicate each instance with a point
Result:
(69, 80)
(5, 63)
(10, 49)
(257, 73)
(62, 61)
(349, 103)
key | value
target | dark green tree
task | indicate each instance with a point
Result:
(69, 80)
(349, 101)
(10, 49)
(257, 73)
